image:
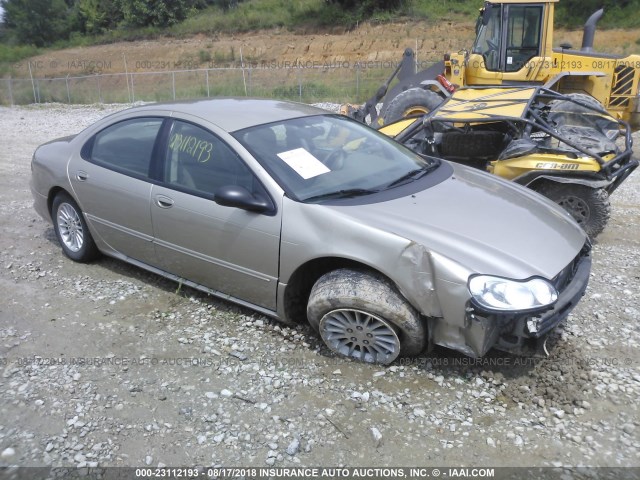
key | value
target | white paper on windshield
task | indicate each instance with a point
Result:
(305, 164)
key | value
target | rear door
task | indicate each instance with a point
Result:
(110, 179)
(229, 250)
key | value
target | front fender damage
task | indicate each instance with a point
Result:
(436, 287)
(415, 260)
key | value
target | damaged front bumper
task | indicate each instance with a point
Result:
(522, 332)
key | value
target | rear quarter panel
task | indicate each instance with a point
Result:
(49, 171)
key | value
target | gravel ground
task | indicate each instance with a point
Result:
(105, 364)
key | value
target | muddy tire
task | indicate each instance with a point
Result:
(71, 229)
(361, 315)
(414, 101)
(471, 144)
(590, 207)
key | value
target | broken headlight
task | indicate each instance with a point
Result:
(495, 293)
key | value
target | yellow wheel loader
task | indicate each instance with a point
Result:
(564, 146)
(513, 46)
(557, 120)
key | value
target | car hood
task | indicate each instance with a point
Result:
(481, 222)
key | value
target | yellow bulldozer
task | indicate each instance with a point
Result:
(513, 46)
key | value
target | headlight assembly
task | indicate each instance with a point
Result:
(495, 293)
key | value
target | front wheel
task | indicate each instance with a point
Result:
(71, 229)
(414, 101)
(361, 315)
(590, 207)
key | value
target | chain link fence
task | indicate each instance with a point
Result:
(340, 83)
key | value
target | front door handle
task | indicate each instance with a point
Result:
(164, 202)
(81, 175)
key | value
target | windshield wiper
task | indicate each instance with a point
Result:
(347, 193)
(412, 175)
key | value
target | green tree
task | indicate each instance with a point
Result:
(156, 13)
(37, 22)
(98, 16)
(367, 7)
(574, 13)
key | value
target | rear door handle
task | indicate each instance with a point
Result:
(81, 175)
(164, 202)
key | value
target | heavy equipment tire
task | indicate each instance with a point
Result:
(361, 315)
(71, 229)
(567, 106)
(580, 116)
(471, 144)
(413, 101)
(590, 207)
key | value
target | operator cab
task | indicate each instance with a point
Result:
(509, 35)
(511, 42)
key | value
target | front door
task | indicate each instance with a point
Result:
(229, 250)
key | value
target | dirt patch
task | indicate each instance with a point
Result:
(278, 48)
(368, 43)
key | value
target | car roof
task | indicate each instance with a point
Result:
(233, 114)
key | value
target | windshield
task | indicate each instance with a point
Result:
(487, 42)
(331, 156)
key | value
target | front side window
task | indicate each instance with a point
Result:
(489, 38)
(197, 161)
(126, 147)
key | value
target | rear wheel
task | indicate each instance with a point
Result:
(71, 229)
(567, 106)
(583, 126)
(362, 316)
(589, 206)
(566, 113)
(414, 101)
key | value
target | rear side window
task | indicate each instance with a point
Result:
(126, 147)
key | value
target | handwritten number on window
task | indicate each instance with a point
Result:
(200, 150)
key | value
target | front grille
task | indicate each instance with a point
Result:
(565, 276)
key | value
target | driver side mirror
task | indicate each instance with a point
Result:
(239, 197)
